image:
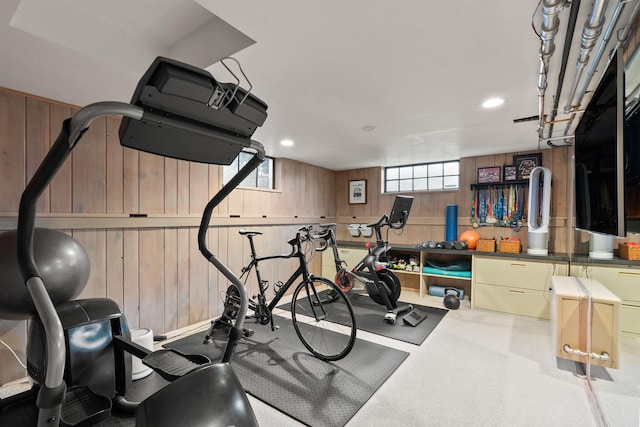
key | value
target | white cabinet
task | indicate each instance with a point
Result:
(351, 256)
(514, 285)
(624, 282)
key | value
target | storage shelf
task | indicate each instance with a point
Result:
(441, 255)
(446, 276)
(417, 273)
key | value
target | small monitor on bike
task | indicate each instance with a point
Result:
(400, 211)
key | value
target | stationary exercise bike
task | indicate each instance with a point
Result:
(380, 283)
(79, 351)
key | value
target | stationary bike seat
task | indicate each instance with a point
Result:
(249, 232)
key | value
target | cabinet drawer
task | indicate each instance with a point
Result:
(516, 273)
(630, 318)
(526, 302)
(624, 282)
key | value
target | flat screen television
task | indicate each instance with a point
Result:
(632, 169)
(599, 147)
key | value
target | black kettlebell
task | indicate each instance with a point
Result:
(452, 301)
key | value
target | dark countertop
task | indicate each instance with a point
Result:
(559, 257)
(584, 259)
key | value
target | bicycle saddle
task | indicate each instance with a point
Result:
(249, 232)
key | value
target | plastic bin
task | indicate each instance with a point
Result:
(366, 231)
(354, 229)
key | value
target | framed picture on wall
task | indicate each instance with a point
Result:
(489, 175)
(510, 173)
(525, 164)
(358, 192)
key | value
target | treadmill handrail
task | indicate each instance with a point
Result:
(236, 332)
(72, 131)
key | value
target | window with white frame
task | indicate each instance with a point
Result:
(422, 177)
(260, 177)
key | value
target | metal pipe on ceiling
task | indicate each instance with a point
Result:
(571, 25)
(627, 30)
(603, 43)
(590, 34)
(549, 29)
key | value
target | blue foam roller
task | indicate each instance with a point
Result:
(451, 231)
(438, 291)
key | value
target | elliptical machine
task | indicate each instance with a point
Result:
(79, 351)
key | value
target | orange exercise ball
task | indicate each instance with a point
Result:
(471, 237)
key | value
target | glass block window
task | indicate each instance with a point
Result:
(422, 177)
(261, 177)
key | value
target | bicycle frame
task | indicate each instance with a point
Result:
(302, 270)
(263, 310)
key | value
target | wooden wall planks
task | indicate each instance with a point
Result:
(427, 219)
(12, 154)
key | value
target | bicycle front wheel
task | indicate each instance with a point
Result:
(323, 319)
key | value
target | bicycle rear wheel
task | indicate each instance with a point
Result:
(323, 319)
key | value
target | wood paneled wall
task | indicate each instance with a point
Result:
(156, 274)
(427, 218)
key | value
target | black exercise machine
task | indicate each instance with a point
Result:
(79, 351)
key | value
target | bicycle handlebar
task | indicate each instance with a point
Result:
(380, 222)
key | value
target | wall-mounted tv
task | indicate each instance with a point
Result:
(632, 169)
(599, 143)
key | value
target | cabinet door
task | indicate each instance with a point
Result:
(352, 256)
(605, 332)
(328, 264)
(567, 326)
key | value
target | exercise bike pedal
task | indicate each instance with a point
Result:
(82, 406)
(390, 317)
(171, 364)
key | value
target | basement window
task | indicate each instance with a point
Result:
(422, 177)
(260, 177)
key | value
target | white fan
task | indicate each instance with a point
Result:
(539, 208)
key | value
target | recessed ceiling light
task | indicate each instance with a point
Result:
(493, 102)
(369, 128)
(286, 142)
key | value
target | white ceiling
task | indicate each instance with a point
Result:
(416, 70)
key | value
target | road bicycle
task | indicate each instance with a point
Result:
(326, 327)
(380, 283)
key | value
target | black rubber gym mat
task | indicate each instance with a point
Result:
(276, 368)
(370, 318)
